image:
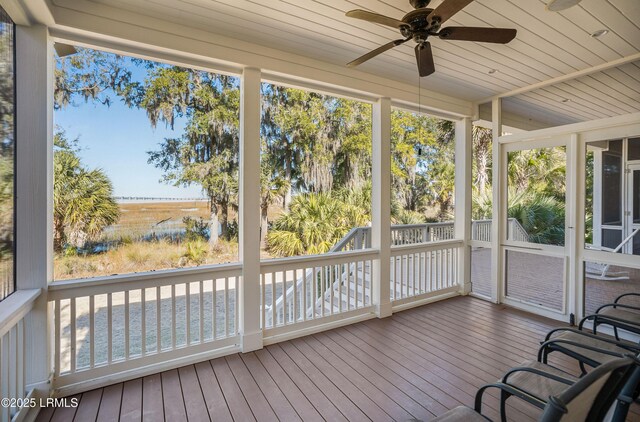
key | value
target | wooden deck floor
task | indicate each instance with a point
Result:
(416, 364)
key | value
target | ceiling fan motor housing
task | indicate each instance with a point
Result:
(418, 4)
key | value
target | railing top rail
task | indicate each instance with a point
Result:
(328, 258)
(422, 247)
(343, 242)
(15, 307)
(196, 273)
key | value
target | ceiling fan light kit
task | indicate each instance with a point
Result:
(423, 22)
(560, 5)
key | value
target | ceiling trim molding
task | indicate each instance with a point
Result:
(16, 11)
(564, 78)
(115, 28)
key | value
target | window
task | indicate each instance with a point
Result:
(145, 166)
(316, 173)
(536, 184)
(422, 178)
(7, 155)
(612, 200)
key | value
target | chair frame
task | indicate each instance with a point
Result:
(615, 322)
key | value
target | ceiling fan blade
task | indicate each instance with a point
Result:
(466, 33)
(375, 17)
(447, 9)
(424, 57)
(64, 50)
(375, 52)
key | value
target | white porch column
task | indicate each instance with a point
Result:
(381, 206)
(499, 218)
(34, 193)
(463, 191)
(249, 294)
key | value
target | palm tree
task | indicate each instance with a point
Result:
(313, 224)
(83, 203)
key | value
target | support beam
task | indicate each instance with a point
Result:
(564, 78)
(249, 297)
(464, 145)
(381, 206)
(499, 208)
(34, 192)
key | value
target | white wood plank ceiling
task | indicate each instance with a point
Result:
(548, 45)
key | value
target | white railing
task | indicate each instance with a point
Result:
(13, 311)
(481, 230)
(516, 231)
(317, 287)
(424, 268)
(409, 234)
(113, 324)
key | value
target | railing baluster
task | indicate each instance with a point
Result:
(72, 362)
(109, 328)
(201, 309)
(143, 322)
(56, 340)
(126, 325)
(173, 316)
(4, 369)
(187, 308)
(305, 308)
(158, 320)
(214, 304)
(92, 331)
(236, 311)
(20, 353)
(284, 298)
(295, 296)
(273, 300)
(356, 281)
(226, 306)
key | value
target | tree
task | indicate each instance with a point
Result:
(272, 187)
(313, 224)
(83, 203)
(482, 144)
(207, 153)
(7, 146)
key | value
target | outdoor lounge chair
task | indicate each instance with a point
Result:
(587, 348)
(617, 315)
(587, 399)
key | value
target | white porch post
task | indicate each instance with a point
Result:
(249, 297)
(462, 218)
(34, 193)
(575, 222)
(381, 206)
(499, 219)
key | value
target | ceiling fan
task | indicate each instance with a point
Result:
(423, 22)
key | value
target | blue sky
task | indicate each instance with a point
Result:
(116, 139)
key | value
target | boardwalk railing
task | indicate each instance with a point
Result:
(110, 325)
(424, 268)
(316, 288)
(13, 311)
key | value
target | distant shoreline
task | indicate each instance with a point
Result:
(143, 199)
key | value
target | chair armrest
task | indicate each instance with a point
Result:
(537, 372)
(624, 295)
(632, 348)
(559, 342)
(509, 389)
(617, 305)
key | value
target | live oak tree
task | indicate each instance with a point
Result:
(207, 152)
